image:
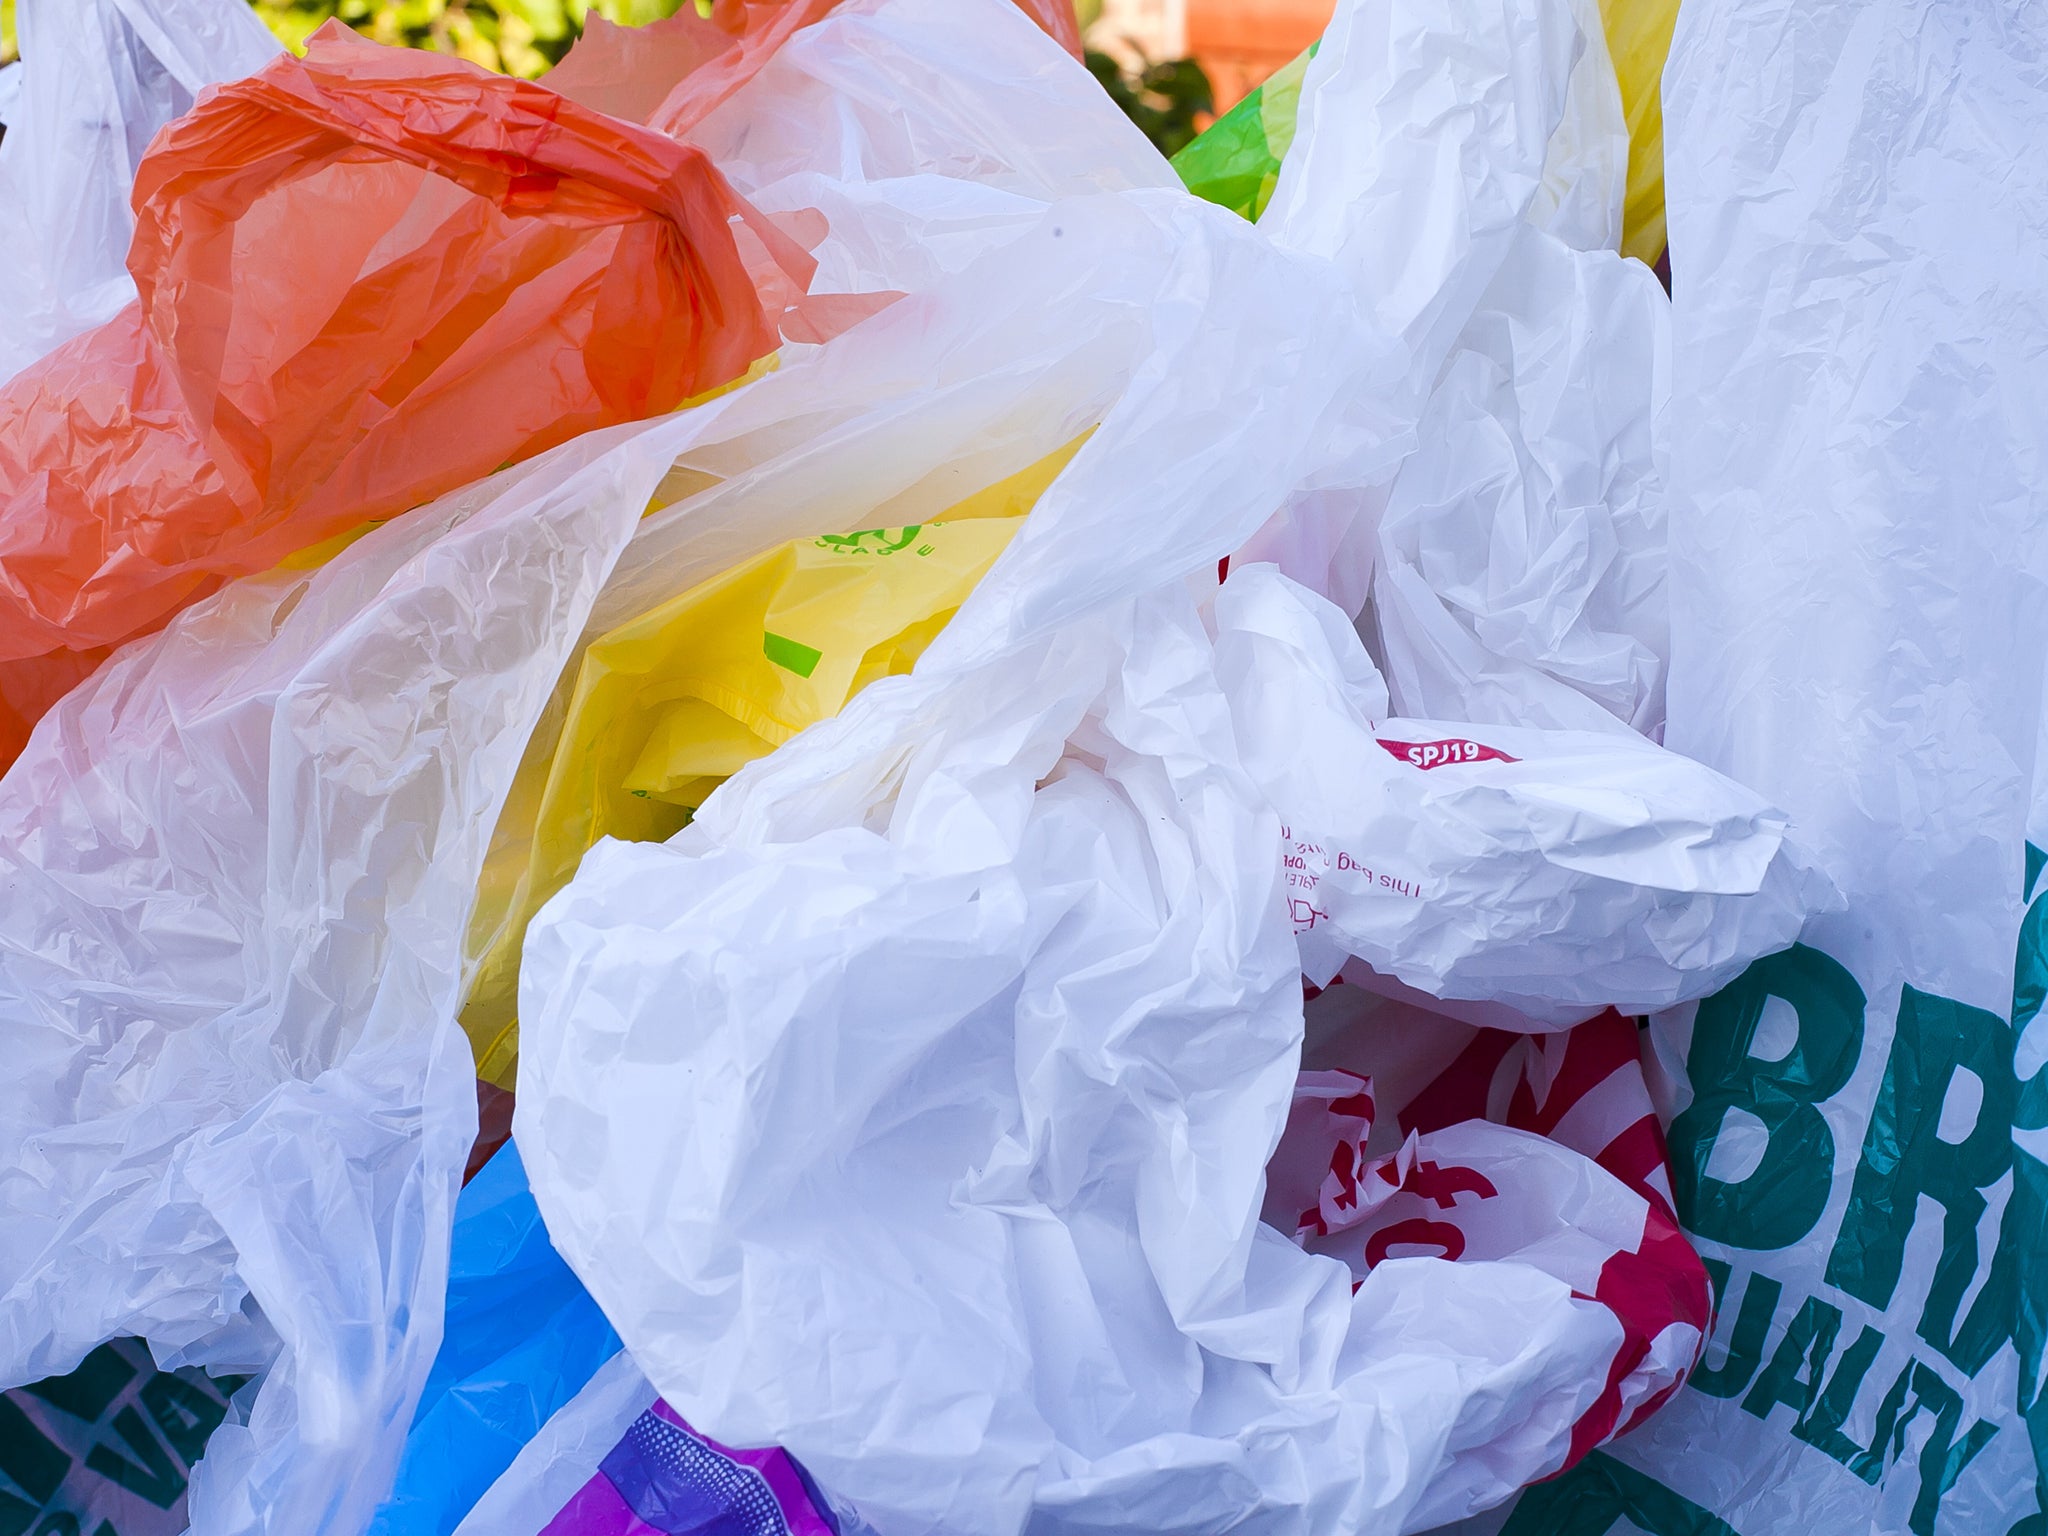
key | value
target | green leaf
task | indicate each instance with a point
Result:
(636, 13)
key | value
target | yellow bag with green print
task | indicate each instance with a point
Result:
(666, 707)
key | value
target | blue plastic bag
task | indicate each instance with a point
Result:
(522, 1338)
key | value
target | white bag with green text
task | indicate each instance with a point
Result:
(1860, 352)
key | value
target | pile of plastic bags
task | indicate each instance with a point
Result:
(766, 789)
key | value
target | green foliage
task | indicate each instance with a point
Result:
(1168, 99)
(517, 37)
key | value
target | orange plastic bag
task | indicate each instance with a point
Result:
(366, 278)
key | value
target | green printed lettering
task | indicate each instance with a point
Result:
(89, 1390)
(1793, 1377)
(1782, 1199)
(1943, 1458)
(187, 1413)
(1822, 1428)
(1904, 1157)
(1598, 1492)
(2026, 1213)
(157, 1479)
(790, 655)
(59, 1524)
(1745, 1340)
(28, 1455)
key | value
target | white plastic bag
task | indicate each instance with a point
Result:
(236, 878)
(240, 862)
(925, 132)
(911, 1108)
(97, 79)
(1516, 565)
(1860, 615)
(1557, 873)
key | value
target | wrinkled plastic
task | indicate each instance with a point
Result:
(668, 706)
(537, 270)
(1008, 939)
(1236, 160)
(258, 873)
(1554, 872)
(675, 72)
(1860, 352)
(1410, 1136)
(109, 1446)
(1516, 567)
(618, 1461)
(98, 79)
(240, 858)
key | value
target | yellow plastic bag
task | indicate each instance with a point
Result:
(1638, 38)
(668, 706)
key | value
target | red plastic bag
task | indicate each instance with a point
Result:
(367, 277)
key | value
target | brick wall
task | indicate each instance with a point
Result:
(1240, 42)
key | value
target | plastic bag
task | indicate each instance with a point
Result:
(618, 1461)
(1006, 941)
(247, 1099)
(521, 1339)
(236, 1128)
(925, 132)
(110, 1446)
(98, 79)
(675, 72)
(538, 270)
(668, 706)
(1516, 565)
(1409, 1135)
(1857, 584)
(1236, 160)
(1556, 873)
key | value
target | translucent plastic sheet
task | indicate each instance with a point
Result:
(1007, 939)
(1860, 352)
(668, 706)
(536, 270)
(98, 79)
(241, 858)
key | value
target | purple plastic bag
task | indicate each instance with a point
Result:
(665, 1479)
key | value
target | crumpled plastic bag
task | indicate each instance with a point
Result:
(240, 859)
(1859, 615)
(109, 1446)
(1557, 873)
(98, 79)
(535, 269)
(639, 72)
(236, 882)
(1410, 1136)
(1236, 160)
(924, 132)
(1515, 568)
(1006, 939)
(669, 705)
